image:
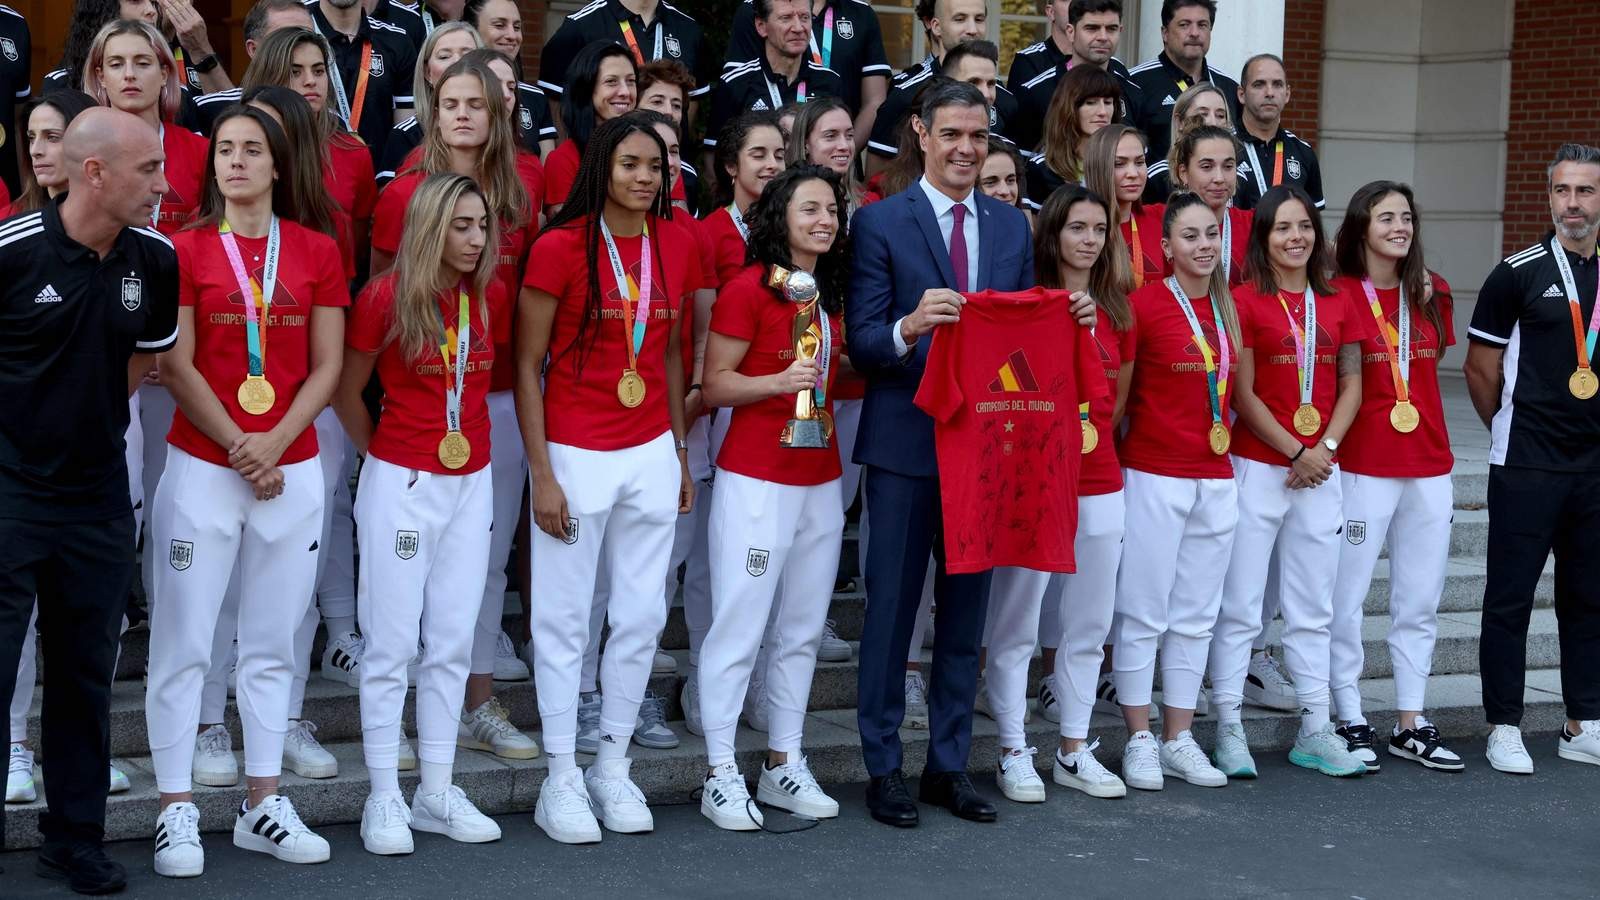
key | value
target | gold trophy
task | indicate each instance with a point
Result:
(807, 430)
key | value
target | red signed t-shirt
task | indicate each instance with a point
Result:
(1003, 387)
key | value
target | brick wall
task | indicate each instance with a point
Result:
(533, 36)
(1555, 95)
(1302, 57)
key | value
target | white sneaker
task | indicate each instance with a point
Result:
(563, 810)
(1105, 699)
(650, 728)
(341, 659)
(451, 814)
(1081, 771)
(791, 786)
(303, 755)
(725, 800)
(663, 664)
(1232, 756)
(1582, 747)
(117, 782)
(588, 740)
(1506, 752)
(690, 700)
(1267, 685)
(178, 851)
(1182, 758)
(1017, 778)
(507, 666)
(916, 702)
(19, 776)
(273, 827)
(489, 728)
(386, 825)
(1141, 762)
(1049, 704)
(755, 696)
(214, 764)
(407, 759)
(618, 803)
(832, 648)
(1326, 752)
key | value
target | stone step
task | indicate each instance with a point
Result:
(1456, 651)
(831, 742)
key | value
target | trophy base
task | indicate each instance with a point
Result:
(804, 434)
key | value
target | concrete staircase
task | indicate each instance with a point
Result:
(500, 786)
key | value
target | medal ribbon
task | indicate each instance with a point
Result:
(635, 298)
(427, 21)
(774, 92)
(738, 222)
(453, 392)
(1138, 253)
(1227, 243)
(1585, 344)
(1399, 343)
(1083, 408)
(821, 390)
(155, 211)
(352, 114)
(1305, 343)
(1216, 375)
(1255, 166)
(255, 329)
(633, 43)
(824, 56)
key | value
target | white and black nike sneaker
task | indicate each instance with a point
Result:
(1423, 744)
(1359, 739)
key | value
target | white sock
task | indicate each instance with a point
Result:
(435, 777)
(385, 781)
(1230, 712)
(1357, 719)
(562, 763)
(611, 748)
(1313, 717)
(338, 625)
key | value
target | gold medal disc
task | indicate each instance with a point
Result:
(256, 395)
(1404, 417)
(454, 450)
(1091, 436)
(827, 423)
(1583, 383)
(1307, 420)
(1219, 438)
(630, 389)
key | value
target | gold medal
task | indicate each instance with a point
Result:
(1583, 383)
(1307, 420)
(630, 388)
(1091, 436)
(454, 450)
(1404, 417)
(827, 423)
(256, 395)
(1219, 438)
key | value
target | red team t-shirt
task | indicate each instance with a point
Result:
(561, 170)
(1003, 388)
(748, 310)
(727, 244)
(309, 275)
(581, 406)
(1265, 330)
(1102, 473)
(413, 420)
(349, 179)
(1372, 446)
(1147, 217)
(1169, 410)
(184, 170)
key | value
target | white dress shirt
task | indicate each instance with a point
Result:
(943, 213)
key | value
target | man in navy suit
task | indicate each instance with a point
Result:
(915, 253)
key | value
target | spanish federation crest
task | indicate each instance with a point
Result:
(181, 556)
(9, 48)
(572, 531)
(525, 117)
(375, 68)
(847, 29)
(1292, 166)
(674, 49)
(132, 293)
(1355, 532)
(405, 544)
(755, 562)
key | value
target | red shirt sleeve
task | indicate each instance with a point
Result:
(1358, 323)
(734, 314)
(369, 321)
(939, 394)
(331, 288)
(388, 219)
(183, 242)
(1091, 374)
(366, 186)
(1446, 303)
(551, 264)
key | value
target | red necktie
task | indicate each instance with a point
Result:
(958, 247)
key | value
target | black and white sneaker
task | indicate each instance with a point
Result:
(1423, 744)
(1359, 740)
(274, 828)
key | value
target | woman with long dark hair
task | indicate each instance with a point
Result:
(45, 119)
(749, 153)
(242, 485)
(1206, 161)
(786, 496)
(1087, 100)
(1298, 390)
(424, 507)
(1394, 469)
(601, 85)
(606, 454)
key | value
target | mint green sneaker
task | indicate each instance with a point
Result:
(1232, 755)
(1326, 752)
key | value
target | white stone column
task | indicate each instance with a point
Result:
(1243, 29)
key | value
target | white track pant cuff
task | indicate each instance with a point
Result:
(1011, 629)
(1085, 603)
(510, 467)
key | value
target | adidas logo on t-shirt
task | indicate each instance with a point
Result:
(48, 295)
(1168, 101)
(1553, 290)
(758, 105)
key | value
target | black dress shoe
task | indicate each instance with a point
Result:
(84, 866)
(954, 791)
(890, 802)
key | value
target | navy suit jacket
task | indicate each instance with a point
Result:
(899, 254)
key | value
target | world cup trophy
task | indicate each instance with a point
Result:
(808, 429)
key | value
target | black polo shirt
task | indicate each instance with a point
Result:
(884, 140)
(673, 34)
(389, 73)
(16, 52)
(69, 322)
(753, 85)
(855, 52)
(1160, 83)
(1523, 309)
(532, 122)
(1035, 72)
(405, 16)
(208, 106)
(1299, 167)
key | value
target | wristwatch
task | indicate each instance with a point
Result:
(680, 443)
(1331, 444)
(205, 65)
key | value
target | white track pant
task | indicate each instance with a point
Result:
(336, 573)
(205, 520)
(1304, 526)
(626, 502)
(1083, 605)
(424, 548)
(1414, 514)
(510, 467)
(1180, 532)
(764, 536)
(1010, 630)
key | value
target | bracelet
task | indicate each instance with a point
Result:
(681, 444)
(207, 64)
(1296, 458)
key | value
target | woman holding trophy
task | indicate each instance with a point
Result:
(775, 518)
